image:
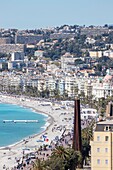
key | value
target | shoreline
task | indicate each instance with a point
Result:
(59, 119)
(51, 119)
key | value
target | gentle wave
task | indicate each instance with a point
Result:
(46, 125)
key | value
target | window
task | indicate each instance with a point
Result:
(98, 138)
(106, 149)
(98, 161)
(106, 162)
(106, 138)
(98, 149)
(107, 128)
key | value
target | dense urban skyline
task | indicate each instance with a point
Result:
(42, 14)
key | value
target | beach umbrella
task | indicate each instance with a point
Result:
(44, 136)
(47, 140)
(39, 141)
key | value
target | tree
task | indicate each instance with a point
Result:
(37, 165)
(61, 159)
(60, 151)
(102, 105)
(103, 59)
(56, 93)
(78, 61)
(41, 165)
(99, 67)
(68, 158)
(87, 135)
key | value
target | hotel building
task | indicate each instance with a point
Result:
(102, 144)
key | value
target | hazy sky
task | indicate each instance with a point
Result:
(31, 14)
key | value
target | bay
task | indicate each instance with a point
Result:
(10, 132)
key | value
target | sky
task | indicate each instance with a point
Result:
(36, 14)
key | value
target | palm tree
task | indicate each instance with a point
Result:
(37, 165)
(40, 165)
(87, 135)
(61, 159)
(60, 151)
(74, 159)
(67, 158)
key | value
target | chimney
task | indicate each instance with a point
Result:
(109, 109)
(77, 127)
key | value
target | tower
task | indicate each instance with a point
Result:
(77, 126)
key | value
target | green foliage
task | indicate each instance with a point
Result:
(78, 61)
(87, 136)
(65, 158)
(103, 59)
(61, 159)
(99, 67)
(62, 46)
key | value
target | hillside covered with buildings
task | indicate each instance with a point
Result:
(60, 62)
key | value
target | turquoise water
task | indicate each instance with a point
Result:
(11, 133)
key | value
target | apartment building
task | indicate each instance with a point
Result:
(103, 88)
(95, 54)
(8, 81)
(17, 56)
(108, 53)
(50, 84)
(13, 65)
(15, 80)
(67, 61)
(61, 86)
(88, 88)
(39, 53)
(41, 86)
(4, 82)
(100, 90)
(71, 87)
(102, 144)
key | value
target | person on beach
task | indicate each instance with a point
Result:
(4, 167)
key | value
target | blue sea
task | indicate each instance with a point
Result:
(10, 132)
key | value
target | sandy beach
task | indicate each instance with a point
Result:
(60, 120)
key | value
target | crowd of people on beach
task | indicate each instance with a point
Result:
(27, 161)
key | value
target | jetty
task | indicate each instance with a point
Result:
(20, 121)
